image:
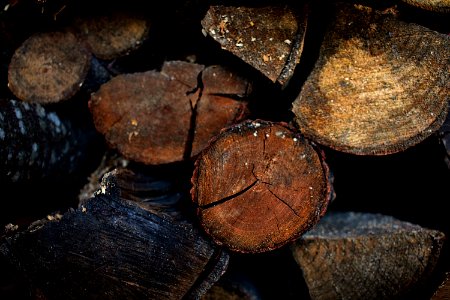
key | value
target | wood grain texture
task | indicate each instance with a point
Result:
(48, 67)
(379, 86)
(111, 247)
(432, 5)
(164, 117)
(366, 256)
(258, 186)
(268, 38)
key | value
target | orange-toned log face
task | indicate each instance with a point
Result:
(258, 186)
(164, 117)
(379, 86)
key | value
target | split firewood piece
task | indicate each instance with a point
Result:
(163, 117)
(48, 67)
(268, 38)
(366, 256)
(35, 143)
(113, 35)
(379, 85)
(258, 186)
(111, 247)
(432, 5)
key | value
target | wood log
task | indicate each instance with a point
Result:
(431, 5)
(258, 186)
(379, 86)
(36, 143)
(113, 34)
(366, 256)
(268, 38)
(48, 67)
(168, 116)
(111, 247)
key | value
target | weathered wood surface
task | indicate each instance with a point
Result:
(168, 116)
(36, 143)
(258, 186)
(379, 86)
(443, 292)
(432, 5)
(112, 34)
(48, 67)
(366, 256)
(268, 38)
(111, 247)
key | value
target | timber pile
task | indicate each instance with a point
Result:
(244, 150)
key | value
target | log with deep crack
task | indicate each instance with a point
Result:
(168, 116)
(258, 186)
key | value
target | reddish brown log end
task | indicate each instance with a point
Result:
(379, 86)
(158, 118)
(258, 186)
(48, 67)
(268, 38)
(113, 35)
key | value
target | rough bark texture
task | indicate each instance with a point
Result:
(111, 247)
(113, 35)
(168, 116)
(379, 85)
(48, 67)
(268, 38)
(366, 256)
(35, 143)
(258, 186)
(432, 5)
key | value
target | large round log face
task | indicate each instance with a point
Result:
(379, 86)
(258, 186)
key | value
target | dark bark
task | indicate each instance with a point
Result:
(111, 247)
(36, 143)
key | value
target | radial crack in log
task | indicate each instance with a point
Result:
(379, 86)
(111, 247)
(268, 38)
(168, 116)
(48, 67)
(366, 256)
(259, 185)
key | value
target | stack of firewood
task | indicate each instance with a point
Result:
(218, 150)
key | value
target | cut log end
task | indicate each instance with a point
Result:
(345, 248)
(379, 86)
(270, 39)
(48, 67)
(258, 186)
(164, 117)
(114, 35)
